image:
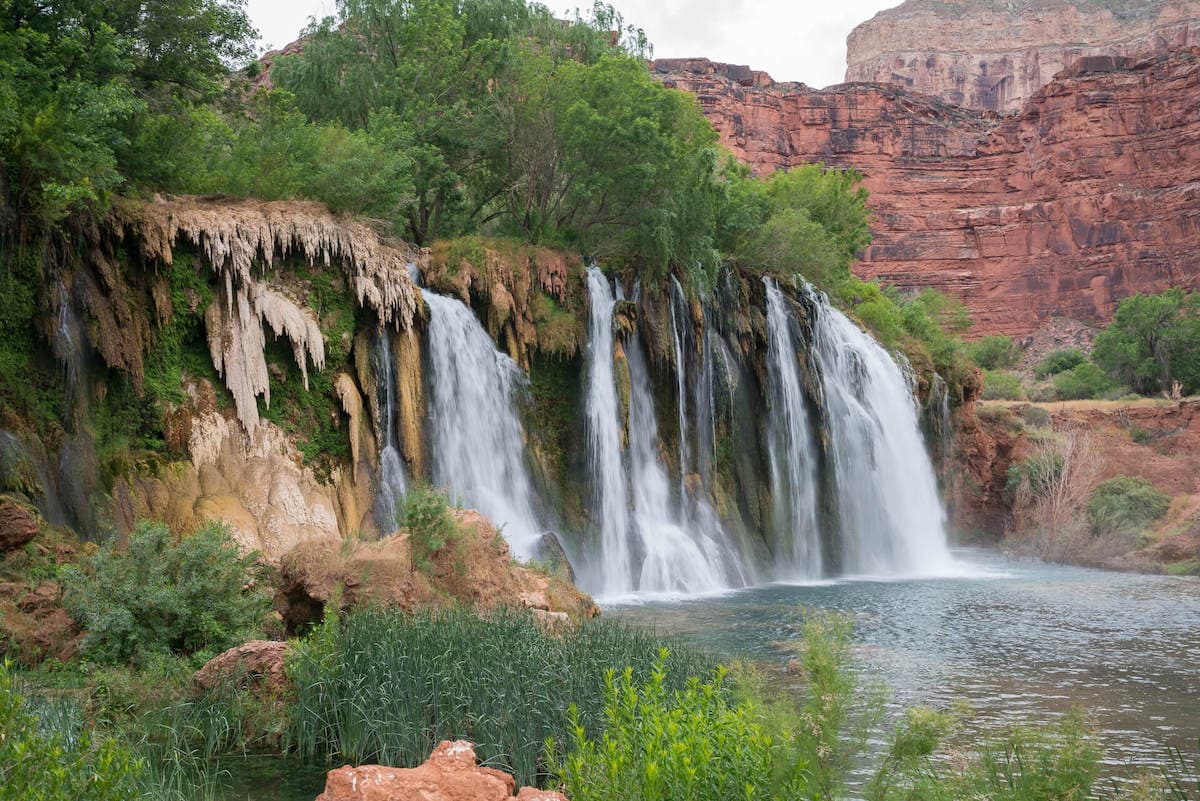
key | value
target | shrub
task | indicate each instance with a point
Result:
(692, 744)
(1153, 342)
(48, 758)
(1036, 416)
(1058, 361)
(1125, 505)
(385, 686)
(430, 525)
(163, 595)
(1082, 382)
(998, 385)
(993, 353)
(1023, 764)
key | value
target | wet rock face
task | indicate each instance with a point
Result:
(1087, 196)
(450, 774)
(995, 56)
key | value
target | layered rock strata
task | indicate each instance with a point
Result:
(994, 56)
(1089, 195)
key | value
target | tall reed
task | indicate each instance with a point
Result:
(386, 686)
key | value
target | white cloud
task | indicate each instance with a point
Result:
(801, 40)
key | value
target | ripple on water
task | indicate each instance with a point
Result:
(1018, 640)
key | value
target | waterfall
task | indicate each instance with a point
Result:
(648, 541)
(392, 483)
(791, 449)
(701, 389)
(611, 504)
(477, 442)
(891, 516)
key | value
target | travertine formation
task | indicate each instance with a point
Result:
(1087, 196)
(991, 55)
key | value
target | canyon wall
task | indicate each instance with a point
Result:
(1087, 196)
(991, 55)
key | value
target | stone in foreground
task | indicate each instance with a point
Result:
(450, 774)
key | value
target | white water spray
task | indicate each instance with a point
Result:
(392, 482)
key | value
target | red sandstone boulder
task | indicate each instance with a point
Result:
(19, 522)
(259, 664)
(450, 774)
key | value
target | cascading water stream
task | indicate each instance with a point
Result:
(613, 568)
(392, 482)
(892, 521)
(477, 442)
(648, 542)
(791, 450)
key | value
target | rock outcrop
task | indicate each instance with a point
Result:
(995, 56)
(258, 664)
(473, 568)
(450, 774)
(19, 521)
(1087, 196)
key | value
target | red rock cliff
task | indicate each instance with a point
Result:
(988, 55)
(1089, 195)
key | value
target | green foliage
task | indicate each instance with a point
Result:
(993, 353)
(1058, 361)
(999, 385)
(430, 525)
(165, 596)
(1058, 763)
(80, 80)
(659, 745)
(1083, 381)
(48, 757)
(499, 679)
(1125, 505)
(1152, 342)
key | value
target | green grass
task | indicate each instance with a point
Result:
(386, 687)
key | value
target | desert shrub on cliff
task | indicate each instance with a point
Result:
(993, 353)
(430, 525)
(999, 385)
(1125, 506)
(163, 595)
(1058, 361)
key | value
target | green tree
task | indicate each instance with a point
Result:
(162, 595)
(1152, 342)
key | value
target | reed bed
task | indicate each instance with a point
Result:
(387, 686)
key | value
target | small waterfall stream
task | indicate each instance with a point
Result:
(891, 517)
(791, 449)
(477, 442)
(392, 481)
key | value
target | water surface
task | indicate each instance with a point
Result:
(1020, 641)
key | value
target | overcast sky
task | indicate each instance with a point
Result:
(794, 40)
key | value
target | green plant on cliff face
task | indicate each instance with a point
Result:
(993, 353)
(1058, 361)
(999, 385)
(164, 595)
(1126, 506)
(430, 525)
